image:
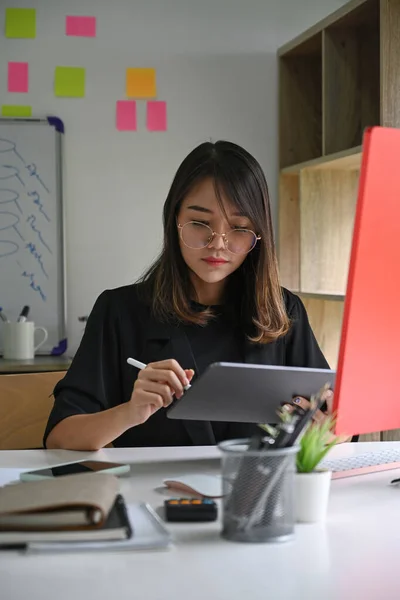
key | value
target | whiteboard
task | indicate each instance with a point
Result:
(31, 226)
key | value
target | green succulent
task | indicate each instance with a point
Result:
(314, 445)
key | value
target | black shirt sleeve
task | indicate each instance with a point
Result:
(93, 381)
(301, 347)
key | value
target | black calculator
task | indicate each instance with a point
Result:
(190, 509)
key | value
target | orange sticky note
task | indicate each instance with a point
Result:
(141, 83)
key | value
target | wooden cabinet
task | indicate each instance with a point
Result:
(25, 404)
(26, 388)
(336, 79)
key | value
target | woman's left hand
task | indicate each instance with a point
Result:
(320, 415)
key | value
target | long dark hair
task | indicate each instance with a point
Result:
(254, 287)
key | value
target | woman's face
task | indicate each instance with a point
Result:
(213, 263)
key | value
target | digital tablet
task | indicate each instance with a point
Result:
(246, 393)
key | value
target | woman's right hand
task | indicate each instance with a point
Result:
(155, 387)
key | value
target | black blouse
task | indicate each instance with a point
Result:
(121, 325)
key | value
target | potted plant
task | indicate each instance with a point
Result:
(312, 484)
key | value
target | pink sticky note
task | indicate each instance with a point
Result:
(81, 26)
(18, 77)
(156, 115)
(126, 115)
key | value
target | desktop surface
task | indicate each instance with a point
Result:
(354, 555)
(39, 364)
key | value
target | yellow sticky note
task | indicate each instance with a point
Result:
(141, 83)
(20, 22)
(16, 111)
(69, 82)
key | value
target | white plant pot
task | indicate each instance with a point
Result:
(311, 496)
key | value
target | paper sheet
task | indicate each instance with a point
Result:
(69, 82)
(14, 110)
(18, 77)
(20, 23)
(126, 115)
(141, 83)
(156, 119)
(80, 26)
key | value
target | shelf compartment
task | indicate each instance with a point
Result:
(300, 101)
(327, 210)
(351, 77)
(289, 231)
(326, 317)
(346, 160)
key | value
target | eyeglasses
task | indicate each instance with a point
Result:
(196, 235)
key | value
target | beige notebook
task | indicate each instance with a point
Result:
(79, 501)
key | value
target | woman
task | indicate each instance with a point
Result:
(212, 295)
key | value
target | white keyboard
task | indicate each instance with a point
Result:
(370, 462)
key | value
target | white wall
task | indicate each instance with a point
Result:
(216, 68)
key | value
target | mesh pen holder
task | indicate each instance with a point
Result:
(258, 492)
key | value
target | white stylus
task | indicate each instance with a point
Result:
(139, 365)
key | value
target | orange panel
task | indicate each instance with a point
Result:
(367, 390)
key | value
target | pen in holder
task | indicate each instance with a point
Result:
(258, 488)
(258, 478)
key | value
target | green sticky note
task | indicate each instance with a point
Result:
(20, 22)
(16, 111)
(69, 82)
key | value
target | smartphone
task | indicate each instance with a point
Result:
(85, 466)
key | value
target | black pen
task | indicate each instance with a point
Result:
(256, 441)
(286, 430)
(24, 314)
(319, 400)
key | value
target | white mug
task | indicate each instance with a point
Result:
(19, 339)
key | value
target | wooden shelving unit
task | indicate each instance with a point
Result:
(301, 102)
(351, 85)
(336, 79)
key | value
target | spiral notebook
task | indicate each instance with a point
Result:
(149, 533)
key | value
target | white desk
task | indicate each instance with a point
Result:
(355, 556)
